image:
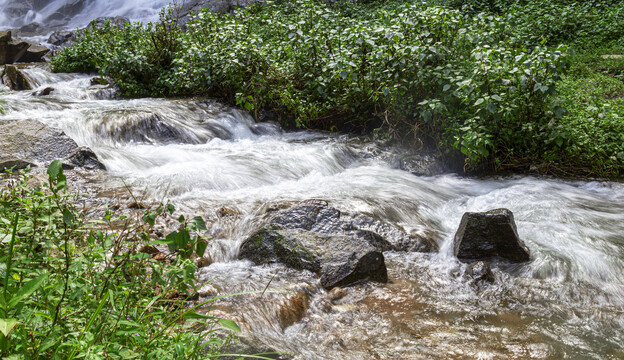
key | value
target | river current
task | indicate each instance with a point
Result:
(568, 302)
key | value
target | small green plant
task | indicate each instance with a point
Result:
(72, 288)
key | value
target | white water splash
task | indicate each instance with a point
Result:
(83, 11)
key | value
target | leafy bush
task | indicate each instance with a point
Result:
(469, 83)
(583, 24)
(72, 289)
(592, 133)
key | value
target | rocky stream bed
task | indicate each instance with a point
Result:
(359, 255)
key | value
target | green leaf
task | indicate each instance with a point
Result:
(479, 102)
(446, 87)
(128, 354)
(198, 223)
(201, 248)
(229, 324)
(492, 108)
(27, 290)
(55, 169)
(7, 325)
(68, 217)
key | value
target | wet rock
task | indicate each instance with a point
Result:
(491, 234)
(16, 50)
(313, 236)
(337, 293)
(203, 261)
(11, 50)
(62, 38)
(32, 142)
(99, 80)
(65, 13)
(318, 217)
(480, 271)
(115, 21)
(147, 128)
(44, 92)
(208, 290)
(5, 36)
(266, 128)
(294, 309)
(137, 205)
(31, 29)
(15, 164)
(85, 158)
(34, 53)
(14, 79)
(340, 260)
(225, 212)
(423, 164)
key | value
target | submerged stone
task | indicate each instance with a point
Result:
(480, 271)
(491, 234)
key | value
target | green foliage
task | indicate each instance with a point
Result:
(77, 289)
(592, 132)
(468, 82)
(582, 24)
(479, 86)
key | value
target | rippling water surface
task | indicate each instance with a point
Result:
(567, 303)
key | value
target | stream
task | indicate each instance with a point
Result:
(568, 302)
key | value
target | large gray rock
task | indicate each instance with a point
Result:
(14, 79)
(16, 50)
(31, 142)
(340, 260)
(34, 53)
(491, 234)
(65, 13)
(339, 247)
(11, 50)
(62, 38)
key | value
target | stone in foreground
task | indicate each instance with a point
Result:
(30, 142)
(487, 235)
(342, 249)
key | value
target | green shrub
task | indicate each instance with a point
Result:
(71, 288)
(582, 24)
(468, 83)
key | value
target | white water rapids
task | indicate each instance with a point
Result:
(16, 13)
(568, 302)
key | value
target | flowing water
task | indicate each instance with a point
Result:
(75, 13)
(568, 302)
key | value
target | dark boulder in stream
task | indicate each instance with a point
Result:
(341, 248)
(491, 234)
(30, 142)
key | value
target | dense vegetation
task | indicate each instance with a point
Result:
(72, 288)
(484, 81)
